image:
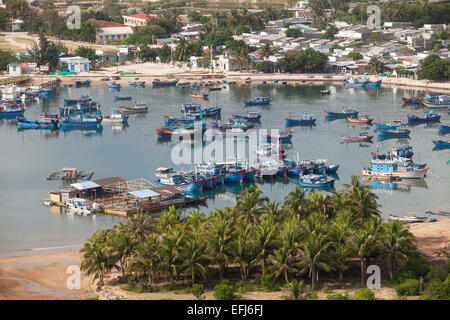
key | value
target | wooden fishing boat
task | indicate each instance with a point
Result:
(429, 116)
(441, 144)
(409, 219)
(138, 108)
(159, 83)
(314, 181)
(253, 116)
(11, 110)
(307, 119)
(393, 168)
(365, 119)
(117, 98)
(82, 83)
(361, 138)
(443, 129)
(340, 115)
(441, 102)
(398, 132)
(258, 101)
(120, 118)
(113, 85)
(83, 122)
(197, 95)
(46, 121)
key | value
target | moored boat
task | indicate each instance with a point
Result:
(82, 122)
(346, 113)
(364, 119)
(398, 132)
(137, 108)
(428, 116)
(11, 110)
(259, 101)
(159, 83)
(409, 219)
(315, 181)
(361, 138)
(117, 98)
(393, 168)
(253, 116)
(307, 119)
(115, 118)
(441, 144)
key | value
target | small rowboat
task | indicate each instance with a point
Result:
(115, 118)
(363, 120)
(138, 108)
(116, 98)
(196, 95)
(441, 144)
(361, 138)
(409, 219)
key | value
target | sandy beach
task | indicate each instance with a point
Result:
(45, 276)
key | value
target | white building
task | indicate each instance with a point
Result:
(138, 20)
(15, 69)
(76, 64)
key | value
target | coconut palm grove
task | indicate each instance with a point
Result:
(259, 243)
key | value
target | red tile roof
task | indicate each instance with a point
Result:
(143, 16)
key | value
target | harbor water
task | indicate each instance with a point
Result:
(28, 156)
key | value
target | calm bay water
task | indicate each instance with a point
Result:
(132, 152)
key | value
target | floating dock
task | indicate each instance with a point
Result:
(123, 197)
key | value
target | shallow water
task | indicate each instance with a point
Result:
(132, 152)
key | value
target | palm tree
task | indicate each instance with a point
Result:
(313, 247)
(146, 259)
(249, 204)
(139, 224)
(267, 51)
(397, 243)
(270, 208)
(169, 219)
(360, 200)
(283, 261)
(219, 236)
(194, 221)
(194, 256)
(296, 204)
(122, 244)
(322, 204)
(264, 237)
(96, 256)
(376, 65)
(365, 243)
(182, 50)
(242, 249)
(241, 57)
(170, 252)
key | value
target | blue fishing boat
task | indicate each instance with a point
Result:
(441, 144)
(117, 98)
(159, 83)
(45, 93)
(253, 116)
(82, 122)
(394, 124)
(438, 103)
(234, 176)
(314, 181)
(307, 119)
(443, 129)
(45, 121)
(11, 110)
(346, 113)
(82, 83)
(356, 83)
(282, 137)
(374, 84)
(429, 116)
(398, 132)
(259, 101)
(136, 83)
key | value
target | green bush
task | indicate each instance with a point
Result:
(267, 283)
(92, 298)
(312, 296)
(325, 289)
(337, 296)
(198, 291)
(410, 288)
(440, 289)
(437, 272)
(418, 264)
(224, 291)
(425, 297)
(297, 289)
(401, 277)
(364, 294)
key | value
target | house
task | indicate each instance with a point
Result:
(434, 27)
(397, 25)
(138, 20)
(16, 24)
(76, 64)
(193, 62)
(14, 69)
(110, 31)
(192, 27)
(109, 56)
(357, 32)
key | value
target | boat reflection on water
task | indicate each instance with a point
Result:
(400, 140)
(403, 185)
(85, 131)
(118, 127)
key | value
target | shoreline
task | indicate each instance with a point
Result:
(149, 71)
(44, 276)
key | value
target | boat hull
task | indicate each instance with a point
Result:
(415, 174)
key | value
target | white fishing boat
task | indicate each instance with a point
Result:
(82, 206)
